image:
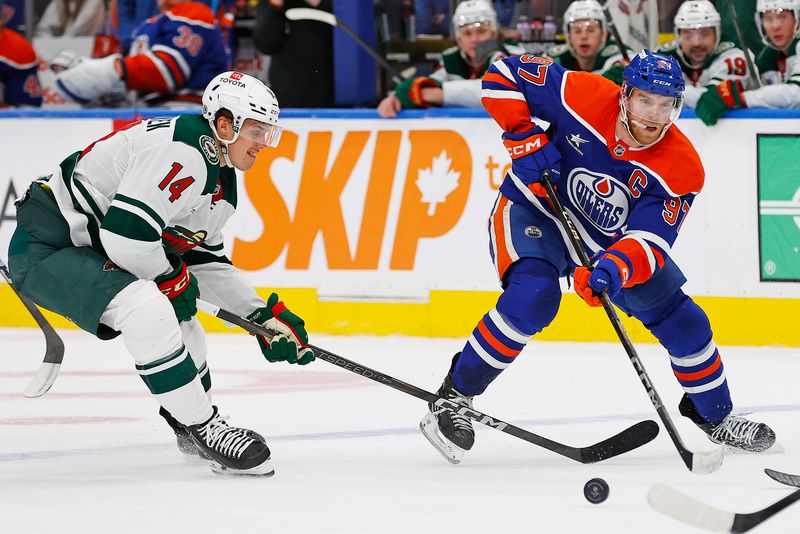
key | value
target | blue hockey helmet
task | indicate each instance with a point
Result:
(655, 73)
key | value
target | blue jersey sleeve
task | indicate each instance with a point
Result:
(518, 87)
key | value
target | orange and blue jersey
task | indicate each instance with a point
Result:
(18, 71)
(176, 53)
(629, 200)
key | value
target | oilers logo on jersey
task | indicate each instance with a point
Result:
(600, 197)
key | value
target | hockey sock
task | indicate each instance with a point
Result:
(683, 329)
(528, 304)
(151, 334)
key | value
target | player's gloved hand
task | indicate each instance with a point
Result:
(291, 344)
(531, 154)
(180, 287)
(409, 92)
(91, 78)
(718, 99)
(64, 60)
(609, 275)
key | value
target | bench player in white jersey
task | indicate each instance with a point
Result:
(456, 82)
(126, 233)
(778, 22)
(587, 47)
(704, 59)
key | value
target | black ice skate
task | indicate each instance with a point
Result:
(185, 442)
(450, 432)
(734, 431)
(231, 450)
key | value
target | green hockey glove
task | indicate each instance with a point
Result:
(291, 344)
(718, 99)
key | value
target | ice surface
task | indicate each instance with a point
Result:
(93, 456)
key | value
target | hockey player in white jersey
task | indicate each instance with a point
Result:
(704, 59)
(124, 235)
(587, 47)
(456, 82)
(778, 22)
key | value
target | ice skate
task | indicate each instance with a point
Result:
(231, 450)
(451, 433)
(185, 442)
(735, 432)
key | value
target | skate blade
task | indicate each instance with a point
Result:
(263, 470)
(430, 429)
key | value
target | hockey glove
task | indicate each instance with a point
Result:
(531, 153)
(610, 274)
(718, 99)
(91, 78)
(409, 92)
(180, 287)
(290, 345)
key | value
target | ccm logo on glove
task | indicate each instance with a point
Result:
(517, 149)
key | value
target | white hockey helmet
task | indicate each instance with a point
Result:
(471, 12)
(762, 6)
(583, 10)
(696, 14)
(246, 98)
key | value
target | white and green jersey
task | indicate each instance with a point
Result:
(727, 62)
(154, 187)
(461, 83)
(780, 76)
(609, 56)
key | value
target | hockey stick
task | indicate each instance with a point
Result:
(751, 68)
(54, 352)
(681, 507)
(697, 462)
(627, 440)
(615, 32)
(783, 478)
(306, 13)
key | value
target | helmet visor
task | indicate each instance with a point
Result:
(261, 132)
(651, 108)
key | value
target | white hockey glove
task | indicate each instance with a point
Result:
(64, 60)
(91, 78)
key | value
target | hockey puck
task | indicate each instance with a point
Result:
(596, 490)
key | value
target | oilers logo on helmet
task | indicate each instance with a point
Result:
(601, 198)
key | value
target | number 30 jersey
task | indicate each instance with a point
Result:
(152, 187)
(632, 198)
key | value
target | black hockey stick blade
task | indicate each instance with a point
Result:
(691, 511)
(54, 346)
(696, 462)
(627, 440)
(783, 478)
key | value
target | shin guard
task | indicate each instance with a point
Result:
(528, 304)
(683, 329)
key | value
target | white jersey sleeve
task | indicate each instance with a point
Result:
(225, 286)
(162, 182)
(462, 93)
(781, 96)
(692, 94)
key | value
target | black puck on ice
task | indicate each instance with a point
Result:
(596, 490)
